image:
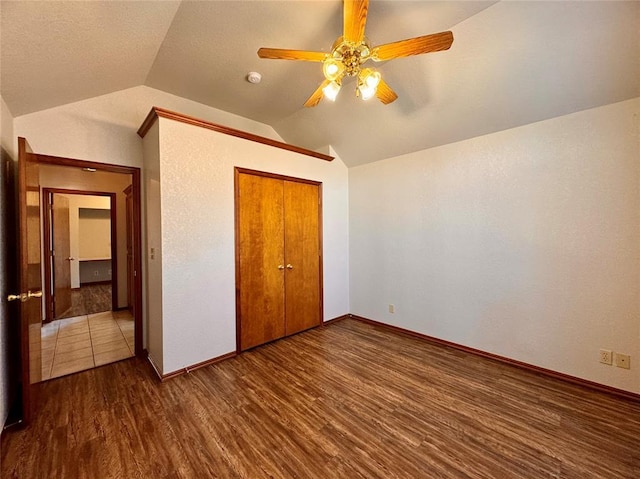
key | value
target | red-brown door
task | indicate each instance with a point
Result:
(30, 293)
(278, 257)
(260, 225)
(302, 256)
(61, 255)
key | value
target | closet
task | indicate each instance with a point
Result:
(278, 256)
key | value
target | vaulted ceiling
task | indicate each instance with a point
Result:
(511, 63)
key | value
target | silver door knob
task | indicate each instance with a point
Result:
(280, 266)
(289, 266)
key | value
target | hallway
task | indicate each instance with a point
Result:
(83, 342)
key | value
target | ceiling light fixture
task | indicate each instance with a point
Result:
(346, 59)
(368, 81)
(350, 51)
(331, 90)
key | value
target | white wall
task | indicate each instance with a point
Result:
(7, 154)
(152, 240)
(75, 203)
(103, 129)
(95, 233)
(523, 243)
(198, 246)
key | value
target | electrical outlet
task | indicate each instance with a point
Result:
(606, 356)
(623, 360)
(392, 308)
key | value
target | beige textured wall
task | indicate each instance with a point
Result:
(198, 250)
(76, 202)
(152, 238)
(522, 243)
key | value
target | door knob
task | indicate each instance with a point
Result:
(289, 266)
(70, 258)
(24, 296)
(280, 266)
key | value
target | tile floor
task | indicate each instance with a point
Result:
(83, 342)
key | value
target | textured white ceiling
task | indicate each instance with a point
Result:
(511, 63)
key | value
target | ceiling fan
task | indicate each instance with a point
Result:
(352, 50)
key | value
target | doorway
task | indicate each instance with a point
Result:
(30, 266)
(89, 239)
(80, 251)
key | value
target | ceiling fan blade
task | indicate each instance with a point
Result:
(317, 95)
(413, 46)
(283, 54)
(384, 93)
(355, 18)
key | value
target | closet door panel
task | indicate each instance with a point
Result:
(261, 268)
(302, 256)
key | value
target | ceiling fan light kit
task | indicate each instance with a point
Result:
(352, 50)
(331, 90)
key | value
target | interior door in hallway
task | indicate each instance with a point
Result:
(278, 273)
(61, 254)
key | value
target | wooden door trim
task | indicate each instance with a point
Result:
(237, 172)
(157, 112)
(128, 199)
(137, 224)
(276, 176)
(48, 273)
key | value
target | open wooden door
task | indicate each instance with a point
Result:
(61, 254)
(30, 277)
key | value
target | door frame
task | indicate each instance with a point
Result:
(47, 226)
(137, 226)
(237, 172)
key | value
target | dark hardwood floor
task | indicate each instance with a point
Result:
(349, 400)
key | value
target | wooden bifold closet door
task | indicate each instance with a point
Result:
(278, 257)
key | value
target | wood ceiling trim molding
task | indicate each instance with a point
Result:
(157, 112)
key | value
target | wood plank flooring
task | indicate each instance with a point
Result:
(350, 400)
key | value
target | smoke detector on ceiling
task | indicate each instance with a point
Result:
(254, 77)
